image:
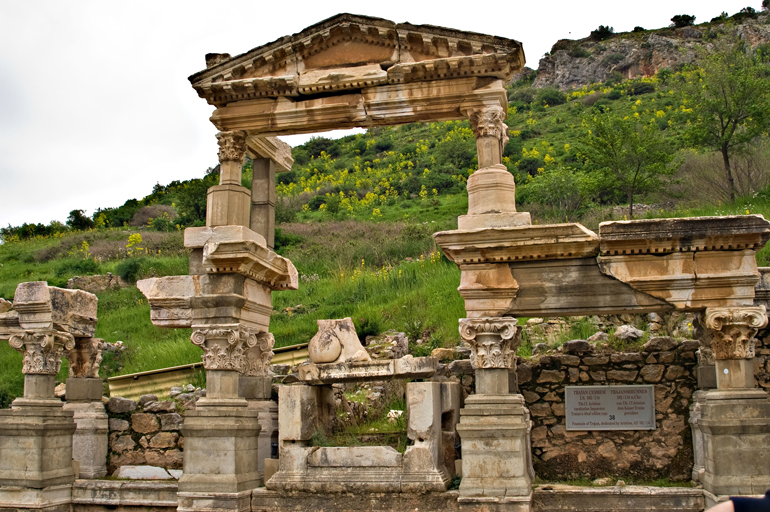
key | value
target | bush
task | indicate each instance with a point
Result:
(637, 88)
(614, 95)
(77, 268)
(284, 240)
(129, 270)
(368, 326)
(530, 166)
(78, 220)
(638, 29)
(613, 58)
(682, 20)
(523, 94)
(578, 52)
(564, 190)
(602, 33)
(551, 96)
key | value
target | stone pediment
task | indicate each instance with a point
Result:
(348, 53)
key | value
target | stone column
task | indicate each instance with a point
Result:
(84, 399)
(221, 434)
(491, 189)
(227, 204)
(263, 199)
(256, 385)
(494, 424)
(735, 417)
(36, 433)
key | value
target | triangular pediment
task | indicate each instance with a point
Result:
(350, 52)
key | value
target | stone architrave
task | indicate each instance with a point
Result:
(730, 333)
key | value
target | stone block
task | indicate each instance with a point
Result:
(660, 344)
(735, 373)
(170, 421)
(164, 440)
(550, 376)
(122, 444)
(119, 405)
(255, 388)
(577, 347)
(118, 425)
(165, 406)
(142, 473)
(355, 456)
(492, 381)
(298, 416)
(144, 423)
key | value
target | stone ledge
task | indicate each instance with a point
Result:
(406, 367)
(113, 493)
(632, 497)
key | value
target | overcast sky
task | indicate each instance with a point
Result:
(95, 105)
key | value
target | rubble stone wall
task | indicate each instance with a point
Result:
(142, 433)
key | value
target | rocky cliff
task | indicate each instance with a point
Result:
(572, 64)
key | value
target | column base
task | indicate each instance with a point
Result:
(220, 450)
(36, 444)
(497, 459)
(56, 498)
(494, 220)
(501, 504)
(736, 433)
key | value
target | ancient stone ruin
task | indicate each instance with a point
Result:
(356, 71)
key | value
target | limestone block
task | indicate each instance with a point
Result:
(423, 468)
(89, 442)
(117, 425)
(165, 406)
(735, 373)
(255, 388)
(335, 342)
(298, 415)
(355, 456)
(170, 421)
(268, 432)
(271, 148)
(142, 473)
(164, 440)
(144, 423)
(120, 405)
(407, 367)
(228, 205)
(122, 444)
(170, 299)
(82, 389)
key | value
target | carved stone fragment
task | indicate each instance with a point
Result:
(223, 347)
(493, 341)
(731, 331)
(42, 350)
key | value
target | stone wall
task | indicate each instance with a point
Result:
(144, 432)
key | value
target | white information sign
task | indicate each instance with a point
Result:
(610, 407)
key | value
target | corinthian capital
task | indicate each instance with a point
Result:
(42, 350)
(232, 146)
(85, 358)
(730, 331)
(493, 341)
(223, 347)
(488, 122)
(257, 358)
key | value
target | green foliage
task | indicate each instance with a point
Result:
(602, 33)
(578, 52)
(367, 326)
(551, 96)
(565, 191)
(682, 20)
(632, 158)
(78, 220)
(637, 88)
(129, 269)
(638, 29)
(79, 267)
(766, 5)
(284, 240)
(729, 94)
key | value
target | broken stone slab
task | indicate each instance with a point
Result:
(390, 345)
(336, 342)
(38, 307)
(142, 473)
(407, 367)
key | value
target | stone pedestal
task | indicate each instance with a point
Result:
(263, 199)
(735, 425)
(90, 440)
(268, 431)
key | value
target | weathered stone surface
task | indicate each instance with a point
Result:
(407, 367)
(675, 372)
(660, 344)
(118, 425)
(540, 409)
(523, 373)
(653, 372)
(147, 398)
(144, 423)
(167, 406)
(596, 361)
(443, 354)
(628, 357)
(170, 421)
(123, 443)
(624, 376)
(550, 376)
(390, 345)
(119, 405)
(96, 284)
(628, 333)
(164, 440)
(355, 456)
(142, 473)
(577, 347)
(335, 342)
(167, 459)
(568, 360)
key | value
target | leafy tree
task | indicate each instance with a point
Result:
(632, 159)
(602, 33)
(682, 20)
(564, 190)
(766, 5)
(78, 220)
(729, 95)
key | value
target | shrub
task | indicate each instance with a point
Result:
(578, 52)
(682, 20)
(129, 270)
(766, 5)
(614, 94)
(77, 268)
(551, 96)
(612, 59)
(637, 88)
(638, 29)
(284, 240)
(316, 202)
(523, 94)
(78, 220)
(367, 326)
(602, 33)
(529, 166)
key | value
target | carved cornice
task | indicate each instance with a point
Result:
(488, 122)
(493, 341)
(257, 358)
(85, 358)
(232, 146)
(223, 347)
(731, 331)
(42, 350)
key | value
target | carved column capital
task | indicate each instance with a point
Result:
(488, 122)
(85, 358)
(730, 331)
(42, 350)
(232, 146)
(223, 346)
(493, 341)
(257, 357)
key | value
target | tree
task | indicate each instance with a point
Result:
(682, 20)
(78, 220)
(563, 190)
(602, 33)
(632, 159)
(729, 94)
(766, 5)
